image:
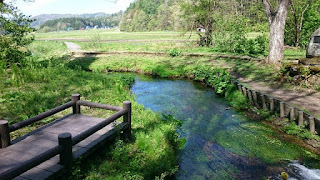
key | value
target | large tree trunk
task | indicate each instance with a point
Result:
(277, 21)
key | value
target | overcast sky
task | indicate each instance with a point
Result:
(70, 6)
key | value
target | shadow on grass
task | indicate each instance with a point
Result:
(82, 63)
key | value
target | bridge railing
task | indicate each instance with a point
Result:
(64, 148)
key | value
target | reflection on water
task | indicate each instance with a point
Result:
(221, 143)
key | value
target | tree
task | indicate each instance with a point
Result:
(295, 21)
(303, 19)
(277, 20)
(200, 12)
(14, 27)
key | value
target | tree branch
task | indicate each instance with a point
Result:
(268, 10)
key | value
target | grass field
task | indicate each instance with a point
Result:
(163, 41)
(116, 35)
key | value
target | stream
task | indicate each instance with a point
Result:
(220, 142)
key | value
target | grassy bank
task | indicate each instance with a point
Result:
(45, 81)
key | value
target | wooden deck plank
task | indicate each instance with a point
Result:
(6, 164)
(20, 178)
(36, 173)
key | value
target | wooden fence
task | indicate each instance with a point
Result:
(283, 109)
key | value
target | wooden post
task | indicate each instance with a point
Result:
(300, 123)
(76, 108)
(127, 118)
(292, 115)
(4, 134)
(263, 99)
(271, 101)
(239, 86)
(311, 124)
(282, 113)
(249, 95)
(244, 91)
(255, 98)
(65, 140)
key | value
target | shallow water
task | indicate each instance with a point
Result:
(220, 143)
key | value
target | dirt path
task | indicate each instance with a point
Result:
(72, 47)
(305, 99)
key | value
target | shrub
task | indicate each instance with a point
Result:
(14, 27)
(175, 52)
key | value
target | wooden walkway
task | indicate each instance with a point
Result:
(27, 148)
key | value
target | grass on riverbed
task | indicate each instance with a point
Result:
(47, 82)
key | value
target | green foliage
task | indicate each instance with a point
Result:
(14, 27)
(175, 52)
(214, 77)
(236, 40)
(151, 15)
(303, 19)
(236, 98)
(300, 131)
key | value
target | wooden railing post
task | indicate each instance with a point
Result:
(301, 119)
(271, 101)
(127, 118)
(255, 98)
(282, 110)
(292, 114)
(312, 125)
(4, 134)
(264, 104)
(239, 86)
(76, 108)
(65, 140)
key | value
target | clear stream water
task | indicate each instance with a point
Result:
(220, 142)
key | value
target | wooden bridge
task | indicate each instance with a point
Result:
(49, 151)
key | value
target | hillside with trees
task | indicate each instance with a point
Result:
(77, 23)
(42, 18)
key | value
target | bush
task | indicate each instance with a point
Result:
(14, 27)
(95, 42)
(175, 52)
(214, 77)
(236, 41)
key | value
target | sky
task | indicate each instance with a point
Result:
(70, 6)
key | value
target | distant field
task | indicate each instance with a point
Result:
(159, 41)
(115, 35)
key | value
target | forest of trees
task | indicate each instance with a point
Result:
(175, 15)
(77, 23)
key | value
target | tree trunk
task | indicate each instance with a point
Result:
(277, 21)
(276, 40)
(1, 1)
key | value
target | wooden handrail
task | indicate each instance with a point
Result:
(97, 127)
(39, 117)
(98, 105)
